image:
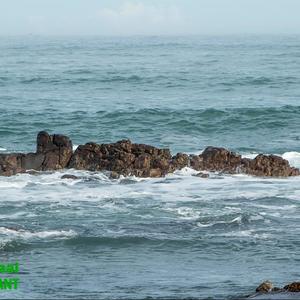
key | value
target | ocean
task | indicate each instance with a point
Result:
(177, 237)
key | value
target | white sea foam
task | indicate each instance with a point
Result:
(2, 149)
(237, 220)
(249, 155)
(293, 158)
(25, 234)
(186, 172)
(75, 147)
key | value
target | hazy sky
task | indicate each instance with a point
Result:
(131, 17)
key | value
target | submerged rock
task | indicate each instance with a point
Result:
(55, 152)
(69, 176)
(202, 175)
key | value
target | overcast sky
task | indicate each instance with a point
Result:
(148, 17)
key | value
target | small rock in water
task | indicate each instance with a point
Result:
(69, 176)
(202, 175)
(265, 287)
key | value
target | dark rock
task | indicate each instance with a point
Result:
(265, 287)
(196, 162)
(122, 157)
(223, 160)
(43, 141)
(58, 151)
(69, 176)
(276, 289)
(125, 158)
(53, 152)
(180, 161)
(143, 161)
(268, 165)
(88, 157)
(220, 159)
(293, 287)
(202, 175)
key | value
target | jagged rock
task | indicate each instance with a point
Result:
(220, 159)
(196, 162)
(293, 287)
(69, 176)
(265, 287)
(125, 158)
(268, 165)
(180, 161)
(223, 160)
(57, 151)
(53, 152)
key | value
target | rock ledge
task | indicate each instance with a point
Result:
(55, 152)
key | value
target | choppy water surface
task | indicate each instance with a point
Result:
(176, 237)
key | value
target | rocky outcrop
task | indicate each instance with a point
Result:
(223, 160)
(217, 159)
(293, 287)
(53, 152)
(126, 158)
(268, 165)
(267, 287)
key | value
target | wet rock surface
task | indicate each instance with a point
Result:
(126, 158)
(266, 290)
(69, 176)
(293, 287)
(265, 287)
(53, 152)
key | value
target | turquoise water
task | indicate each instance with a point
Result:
(170, 238)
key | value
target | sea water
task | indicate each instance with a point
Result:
(175, 237)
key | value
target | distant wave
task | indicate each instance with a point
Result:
(94, 78)
(26, 234)
(18, 239)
